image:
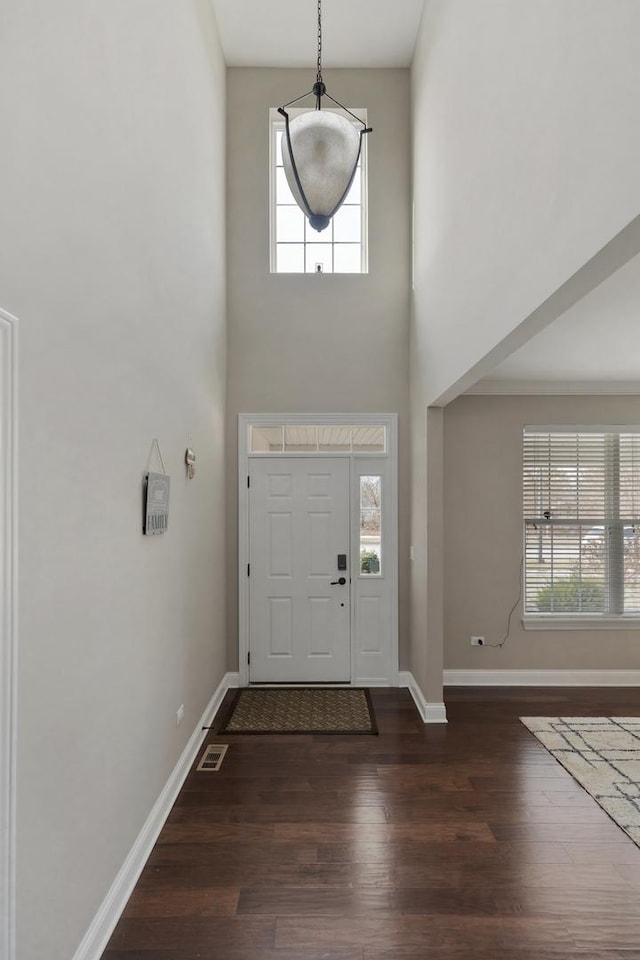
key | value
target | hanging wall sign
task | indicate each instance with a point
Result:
(156, 503)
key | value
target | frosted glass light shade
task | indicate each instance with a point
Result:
(326, 148)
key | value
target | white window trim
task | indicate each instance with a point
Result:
(541, 621)
(8, 625)
(575, 621)
(248, 420)
(582, 428)
(276, 122)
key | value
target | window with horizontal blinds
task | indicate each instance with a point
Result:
(581, 504)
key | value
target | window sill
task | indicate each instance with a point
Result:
(570, 622)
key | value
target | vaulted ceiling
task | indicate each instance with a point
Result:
(283, 33)
(597, 340)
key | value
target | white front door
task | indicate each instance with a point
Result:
(299, 616)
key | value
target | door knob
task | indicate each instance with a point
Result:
(339, 582)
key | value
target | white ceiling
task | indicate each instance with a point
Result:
(283, 33)
(598, 339)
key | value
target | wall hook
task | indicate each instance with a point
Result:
(190, 461)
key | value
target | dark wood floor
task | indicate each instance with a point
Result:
(458, 842)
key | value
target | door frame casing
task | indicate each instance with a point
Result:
(8, 626)
(245, 421)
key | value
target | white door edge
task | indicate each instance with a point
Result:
(8, 628)
(246, 420)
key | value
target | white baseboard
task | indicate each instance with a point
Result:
(374, 682)
(430, 712)
(105, 920)
(541, 678)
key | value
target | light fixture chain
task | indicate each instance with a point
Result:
(319, 74)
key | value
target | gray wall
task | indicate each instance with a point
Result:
(112, 258)
(329, 343)
(483, 523)
(516, 184)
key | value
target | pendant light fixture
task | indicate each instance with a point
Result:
(320, 151)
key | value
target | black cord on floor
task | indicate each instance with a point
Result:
(511, 612)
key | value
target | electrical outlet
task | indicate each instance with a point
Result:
(179, 714)
(477, 641)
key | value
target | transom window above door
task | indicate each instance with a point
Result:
(313, 438)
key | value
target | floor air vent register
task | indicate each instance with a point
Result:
(212, 757)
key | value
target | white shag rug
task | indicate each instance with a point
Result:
(603, 755)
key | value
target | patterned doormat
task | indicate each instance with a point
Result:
(300, 710)
(603, 755)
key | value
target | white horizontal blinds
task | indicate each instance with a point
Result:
(630, 474)
(628, 534)
(581, 499)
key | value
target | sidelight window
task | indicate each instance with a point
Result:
(371, 526)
